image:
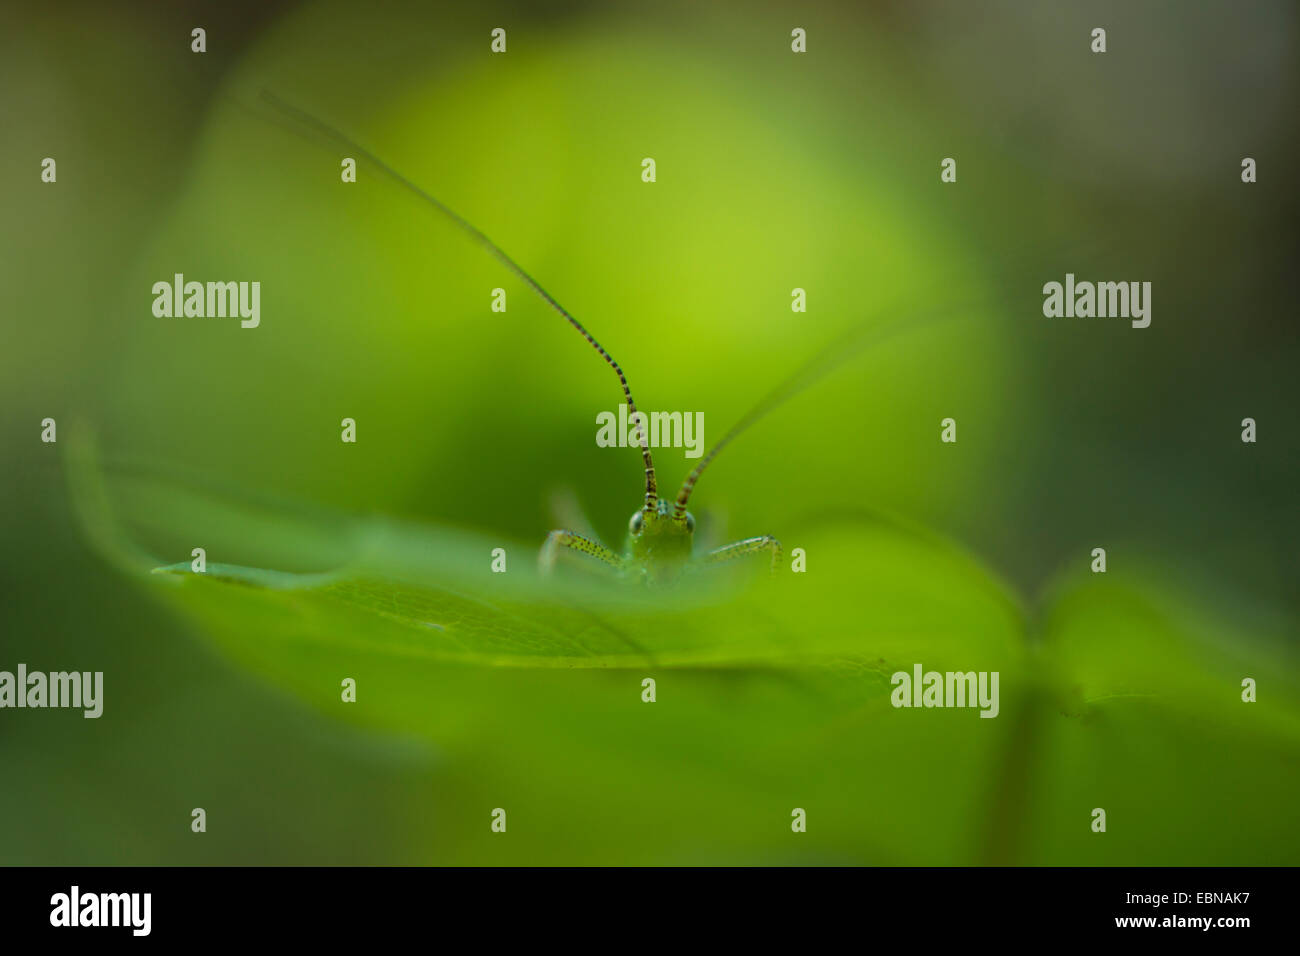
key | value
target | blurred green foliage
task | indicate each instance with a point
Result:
(774, 171)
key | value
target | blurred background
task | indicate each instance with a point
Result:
(774, 171)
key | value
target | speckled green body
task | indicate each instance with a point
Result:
(659, 544)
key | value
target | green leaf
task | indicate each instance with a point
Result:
(773, 692)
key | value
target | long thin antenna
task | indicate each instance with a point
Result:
(651, 488)
(824, 362)
(858, 337)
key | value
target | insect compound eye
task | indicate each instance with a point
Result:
(690, 522)
(635, 524)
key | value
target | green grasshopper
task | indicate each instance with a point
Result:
(660, 544)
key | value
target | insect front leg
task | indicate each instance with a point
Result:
(576, 542)
(729, 552)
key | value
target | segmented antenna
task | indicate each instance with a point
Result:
(305, 118)
(825, 361)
